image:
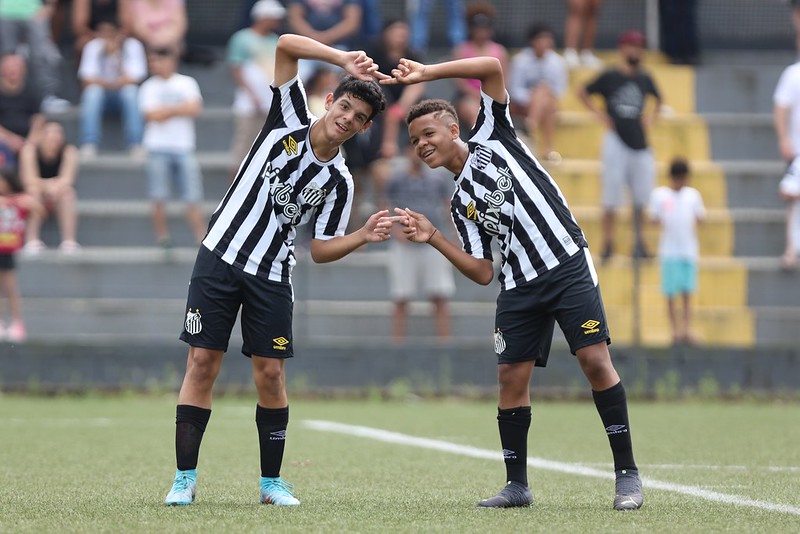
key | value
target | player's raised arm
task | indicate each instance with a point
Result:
(486, 69)
(292, 48)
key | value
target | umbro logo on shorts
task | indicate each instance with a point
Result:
(280, 343)
(590, 327)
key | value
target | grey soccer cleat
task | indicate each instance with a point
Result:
(628, 490)
(513, 495)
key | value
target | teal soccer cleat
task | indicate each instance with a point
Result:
(277, 491)
(183, 489)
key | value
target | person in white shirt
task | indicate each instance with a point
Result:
(538, 79)
(111, 68)
(787, 127)
(678, 208)
(170, 102)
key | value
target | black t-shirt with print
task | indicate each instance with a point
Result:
(625, 96)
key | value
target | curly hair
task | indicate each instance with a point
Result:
(437, 106)
(368, 91)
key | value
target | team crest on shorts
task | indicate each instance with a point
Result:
(193, 322)
(499, 342)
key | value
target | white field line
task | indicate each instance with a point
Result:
(712, 467)
(539, 463)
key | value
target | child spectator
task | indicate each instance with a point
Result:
(538, 79)
(786, 118)
(14, 208)
(170, 102)
(678, 208)
(87, 16)
(111, 68)
(413, 268)
(48, 169)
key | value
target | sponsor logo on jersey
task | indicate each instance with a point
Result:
(616, 429)
(193, 323)
(280, 343)
(290, 145)
(472, 213)
(590, 327)
(499, 342)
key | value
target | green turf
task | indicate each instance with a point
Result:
(104, 464)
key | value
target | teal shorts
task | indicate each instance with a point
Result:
(678, 276)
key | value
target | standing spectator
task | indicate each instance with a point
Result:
(20, 119)
(15, 206)
(87, 16)
(48, 169)
(480, 42)
(627, 158)
(796, 21)
(111, 68)
(678, 30)
(334, 23)
(787, 127)
(419, 15)
(538, 79)
(413, 268)
(678, 209)
(28, 21)
(170, 102)
(580, 31)
(251, 56)
(156, 23)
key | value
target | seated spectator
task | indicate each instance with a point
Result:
(28, 22)
(87, 16)
(251, 56)
(156, 23)
(580, 30)
(538, 79)
(20, 120)
(48, 169)
(480, 24)
(111, 68)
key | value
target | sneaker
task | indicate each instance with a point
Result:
(513, 495)
(54, 104)
(69, 247)
(34, 247)
(16, 332)
(590, 60)
(572, 59)
(183, 489)
(277, 491)
(640, 251)
(88, 151)
(628, 490)
(608, 251)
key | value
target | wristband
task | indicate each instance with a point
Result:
(432, 234)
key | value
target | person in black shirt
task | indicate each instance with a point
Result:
(627, 158)
(20, 119)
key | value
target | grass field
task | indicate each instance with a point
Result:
(104, 464)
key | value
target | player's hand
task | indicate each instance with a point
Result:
(417, 227)
(406, 72)
(787, 151)
(378, 227)
(360, 65)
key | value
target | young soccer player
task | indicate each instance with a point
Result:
(547, 274)
(293, 174)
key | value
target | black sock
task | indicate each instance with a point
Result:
(271, 423)
(612, 406)
(190, 423)
(514, 424)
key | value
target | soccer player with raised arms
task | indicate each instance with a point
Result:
(293, 174)
(547, 275)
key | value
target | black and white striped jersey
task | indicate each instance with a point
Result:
(504, 193)
(279, 186)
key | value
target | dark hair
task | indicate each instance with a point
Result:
(11, 177)
(368, 91)
(538, 28)
(163, 51)
(437, 106)
(480, 13)
(679, 168)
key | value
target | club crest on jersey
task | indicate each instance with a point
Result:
(481, 158)
(193, 322)
(290, 145)
(313, 195)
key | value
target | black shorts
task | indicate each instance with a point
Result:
(7, 262)
(216, 292)
(526, 314)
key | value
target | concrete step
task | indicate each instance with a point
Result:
(737, 136)
(777, 325)
(737, 88)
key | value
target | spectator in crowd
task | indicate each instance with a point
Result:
(87, 16)
(480, 18)
(48, 169)
(170, 101)
(538, 79)
(111, 68)
(20, 119)
(678, 30)
(28, 22)
(678, 209)
(419, 15)
(796, 21)
(786, 114)
(251, 56)
(580, 31)
(627, 157)
(321, 83)
(413, 268)
(156, 23)
(335, 23)
(15, 206)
